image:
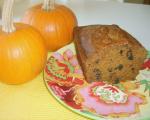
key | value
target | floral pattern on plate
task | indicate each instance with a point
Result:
(64, 79)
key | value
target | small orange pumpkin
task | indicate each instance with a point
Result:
(55, 22)
(22, 49)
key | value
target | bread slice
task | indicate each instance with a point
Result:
(108, 53)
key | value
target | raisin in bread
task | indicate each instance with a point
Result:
(108, 53)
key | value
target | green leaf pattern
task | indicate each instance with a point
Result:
(144, 79)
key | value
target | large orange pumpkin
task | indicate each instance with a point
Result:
(22, 49)
(55, 22)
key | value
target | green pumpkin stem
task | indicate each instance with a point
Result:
(48, 5)
(7, 17)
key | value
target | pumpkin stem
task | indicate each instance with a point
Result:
(7, 17)
(48, 5)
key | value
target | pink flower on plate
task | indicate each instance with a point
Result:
(64, 69)
(69, 57)
(108, 105)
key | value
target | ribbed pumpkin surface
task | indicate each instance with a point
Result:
(55, 25)
(22, 54)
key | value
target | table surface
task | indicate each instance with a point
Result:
(32, 101)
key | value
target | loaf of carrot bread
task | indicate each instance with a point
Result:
(108, 53)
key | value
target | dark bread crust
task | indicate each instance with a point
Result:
(108, 53)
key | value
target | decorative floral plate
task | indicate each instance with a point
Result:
(99, 100)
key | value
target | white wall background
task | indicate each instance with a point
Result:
(22, 5)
